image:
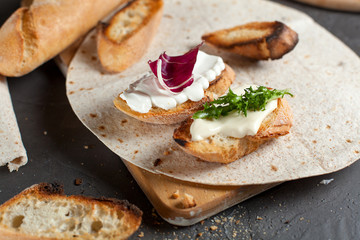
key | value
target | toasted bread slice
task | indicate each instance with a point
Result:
(126, 38)
(256, 40)
(43, 212)
(228, 149)
(178, 114)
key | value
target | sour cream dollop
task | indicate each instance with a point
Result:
(233, 125)
(146, 92)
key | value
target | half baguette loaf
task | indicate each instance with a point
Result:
(256, 40)
(41, 29)
(43, 212)
(127, 37)
(178, 114)
(228, 149)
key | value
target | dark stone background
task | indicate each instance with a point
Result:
(302, 209)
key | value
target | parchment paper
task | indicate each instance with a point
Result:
(322, 72)
(12, 151)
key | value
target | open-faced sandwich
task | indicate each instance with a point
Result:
(235, 124)
(176, 87)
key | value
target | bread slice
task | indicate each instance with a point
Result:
(256, 40)
(41, 29)
(43, 212)
(228, 149)
(126, 38)
(178, 114)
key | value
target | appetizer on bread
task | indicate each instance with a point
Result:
(44, 212)
(255, 40)
(177, 87)
(235, 124)
(126, 38)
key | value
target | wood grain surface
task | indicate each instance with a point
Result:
(343, 5)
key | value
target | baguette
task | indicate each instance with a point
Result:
(126, 38)
(41, 29)
(256, 40)
(222, 149)
(43, 212)
(178, 114)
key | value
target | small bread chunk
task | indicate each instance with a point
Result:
(43, 212)
(178, 114)
(127, 37)
(256, 40)
(228, 149)
(188, 201)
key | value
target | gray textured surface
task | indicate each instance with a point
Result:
(61, 149)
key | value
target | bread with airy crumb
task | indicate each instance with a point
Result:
(178, 114)
(222, 149)
(127, 37)
(43, 212)
(256, 40)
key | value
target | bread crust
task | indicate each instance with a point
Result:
(228, 149)
(117, 55)
(178, 114)
(36, 33)
(52, 192)
(255, 40)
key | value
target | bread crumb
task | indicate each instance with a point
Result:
(213, 228)
(175, 195)
(200, 234)
(188, 201)
(217, 221)
(301, 219)
(78, 181)
(259, 218)
(86, 147)
(202, 222)
(326, 181)
(141, 234)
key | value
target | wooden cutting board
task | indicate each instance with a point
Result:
(159, 189)
(344, 5)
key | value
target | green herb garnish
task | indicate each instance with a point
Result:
(252, 100)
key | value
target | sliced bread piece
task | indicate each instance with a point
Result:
(126, 38)
(256, 40)
(43, 212)
(178, 114)
(228, 149)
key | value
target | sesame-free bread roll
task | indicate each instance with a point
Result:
(41, 29)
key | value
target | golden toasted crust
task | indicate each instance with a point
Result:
(41, 29)
(228, 149)
(50, 193)
(256, 40)
(182, 111)
(127, 37)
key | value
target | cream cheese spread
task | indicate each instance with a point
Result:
(146, 92)
(233, 125)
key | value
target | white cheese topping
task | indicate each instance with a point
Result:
(146, 92)
(234, 125)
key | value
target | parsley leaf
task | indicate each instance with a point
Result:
(251, 100)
